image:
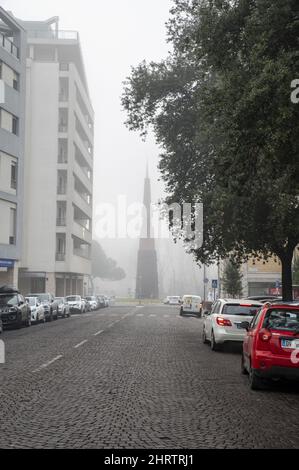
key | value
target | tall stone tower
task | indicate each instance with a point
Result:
(147, 270)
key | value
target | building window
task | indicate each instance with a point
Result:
(8, 121)
(60, 247)
(13, 224)
(13, 176)
(9, 76)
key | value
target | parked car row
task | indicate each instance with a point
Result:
(17, 311)
(268, 332)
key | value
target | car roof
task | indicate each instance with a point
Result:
(280, 304)
(240, 301)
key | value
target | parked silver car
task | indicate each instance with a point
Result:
(223, 323)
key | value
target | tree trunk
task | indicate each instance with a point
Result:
(286, 270)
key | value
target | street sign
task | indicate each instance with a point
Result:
(214, 283)
(6, 263)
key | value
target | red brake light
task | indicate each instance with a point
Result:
(223, 321)
(265, 335)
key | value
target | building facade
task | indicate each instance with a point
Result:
(58, 164)
(12, 133)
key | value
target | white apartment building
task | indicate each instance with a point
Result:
(12, 112)
(58, 164)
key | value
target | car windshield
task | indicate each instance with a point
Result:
(282, 319)
(31, 301)
(8, 299)
(73, 298)
(239, 309)
(43, 297)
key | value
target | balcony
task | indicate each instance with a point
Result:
(82, 175)
(83, 149)
(52, 34)
(82, 204)
(81, 232)
(9, 46)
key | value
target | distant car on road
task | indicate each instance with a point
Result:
(271, 344)
(76, 303)
(92, 300)
(223, 323)
(49, 303)
(14, 310)
(191, 304)
(37, 310)
(101, 301)
(172, 300)
(63, 307)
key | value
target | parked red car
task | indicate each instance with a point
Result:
(271, 345)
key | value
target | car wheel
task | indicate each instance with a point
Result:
(19, 322)
(181, 312)
(255, 382)
(204, 336)
(244, 371)
(28, 321)
(214, 345)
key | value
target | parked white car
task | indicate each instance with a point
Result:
(172, 300)
(37, 310)
(76, 303)
(223, 323)
(191, 304)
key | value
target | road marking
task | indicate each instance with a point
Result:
(43, 366)
(98, 333)
(166, 316)
(80, 344)
(152, 315)
(139, 314)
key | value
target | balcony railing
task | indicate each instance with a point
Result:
(9, 46)
(61, 190)
(82, 253)
(60, 256)
(62, 128)
(62, 158)
(61, 221)
(52, 34)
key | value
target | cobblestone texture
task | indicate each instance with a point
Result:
(145, 382)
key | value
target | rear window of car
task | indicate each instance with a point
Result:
(73, 298)
(238, 309)
(282, 319)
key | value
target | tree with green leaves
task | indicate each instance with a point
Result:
(232, 279)
(220, 108)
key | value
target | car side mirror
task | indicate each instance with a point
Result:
(245, 325)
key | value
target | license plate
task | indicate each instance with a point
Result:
(290, 344)
(238, 325)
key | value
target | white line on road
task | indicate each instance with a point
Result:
(166, 316)
(139, 314)
(80, 344)
(152, 315)
(43, 366)
(98, 333)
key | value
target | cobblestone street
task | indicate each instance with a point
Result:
(135, 377)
